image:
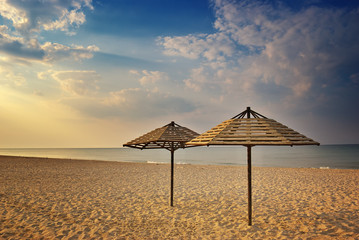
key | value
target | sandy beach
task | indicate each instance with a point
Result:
(76, 199)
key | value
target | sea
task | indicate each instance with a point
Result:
(323, 157)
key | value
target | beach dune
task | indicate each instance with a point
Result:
(78, 199)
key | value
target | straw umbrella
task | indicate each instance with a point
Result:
(171, 137)
(249, 131)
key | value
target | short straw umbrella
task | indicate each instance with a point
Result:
(249, 131)
(171, 137)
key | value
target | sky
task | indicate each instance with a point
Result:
(83, 73)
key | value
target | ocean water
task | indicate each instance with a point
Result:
(325, 156)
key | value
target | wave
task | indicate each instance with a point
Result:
(153, 162)
(176, 163)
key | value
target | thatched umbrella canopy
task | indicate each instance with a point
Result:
(249, 129)
(171, 137)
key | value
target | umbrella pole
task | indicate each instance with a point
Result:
(172, 173)
(249, 164)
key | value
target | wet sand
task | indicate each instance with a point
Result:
(76, 199)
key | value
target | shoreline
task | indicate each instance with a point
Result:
(176, 163)
(81, 199)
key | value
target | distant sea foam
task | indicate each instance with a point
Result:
(323, 157)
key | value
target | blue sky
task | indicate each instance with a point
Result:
(82, 73)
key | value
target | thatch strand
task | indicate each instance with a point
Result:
(257, 130)
(171, 136)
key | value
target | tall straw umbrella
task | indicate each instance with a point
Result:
(249, 131)
(171, 137)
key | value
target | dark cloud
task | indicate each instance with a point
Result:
(301, 58)
(20, 50)
(21, 37)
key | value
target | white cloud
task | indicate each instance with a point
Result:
(186, 46)
(56, 52)
(76, 83)
(199, 79)
(212, 46)
(134, 72)
(249, 23)
(192, 85)
(67, 19)
(32, 50)
(150, 77)
(33, 16)
(17, 16)
(29, 17)
(257, 45)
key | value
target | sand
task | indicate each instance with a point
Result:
(76, 199)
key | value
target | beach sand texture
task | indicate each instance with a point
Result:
(75, 199)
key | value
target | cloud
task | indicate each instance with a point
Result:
(33, 16)
(136, 102)
(76, 83)
(150, 77)
(56, 52)
(32, 50)
(257, 44)
(22, 41)
(211, 47)
(17, 16)
(190, 46)
(131, 104)
(198, 79)
(17, 49)
(16, 46)
(68, 18)
(38, 93)
(9, 77)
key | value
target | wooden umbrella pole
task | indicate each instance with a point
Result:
(172, 173)
(249, 164)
